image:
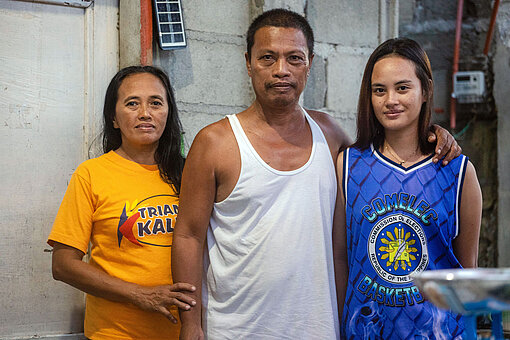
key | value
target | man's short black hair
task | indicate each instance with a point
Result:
(280, 17)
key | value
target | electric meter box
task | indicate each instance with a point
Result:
(469, 86)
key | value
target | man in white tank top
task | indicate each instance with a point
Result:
(257, 204)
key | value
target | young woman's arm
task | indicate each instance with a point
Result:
(340, 240)
(465, 245)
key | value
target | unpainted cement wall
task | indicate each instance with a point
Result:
(209, 76)
(501, 66)
(482, 129)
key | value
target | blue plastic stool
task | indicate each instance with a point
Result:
(497, 326)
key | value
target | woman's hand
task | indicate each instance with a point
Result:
(68, 267)
(160, 298)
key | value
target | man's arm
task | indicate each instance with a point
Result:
(197, 197)
(338, 140)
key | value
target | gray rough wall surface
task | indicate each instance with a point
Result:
(346, 33)
(346, 23)
(297, 6)
(209, 76)
(432, 23)
(501, 95)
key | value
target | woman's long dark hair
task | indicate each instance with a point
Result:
(369, 130)
(168, 155)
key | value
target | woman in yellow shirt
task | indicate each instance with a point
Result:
(124, 203)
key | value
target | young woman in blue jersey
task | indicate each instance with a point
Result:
(401, 213)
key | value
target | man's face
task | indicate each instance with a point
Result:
(279, 65)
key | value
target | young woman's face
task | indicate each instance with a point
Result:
(141, 111)
(397, 94)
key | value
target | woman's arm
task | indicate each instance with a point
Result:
(67, 266)
(340, 240)
(465, 245)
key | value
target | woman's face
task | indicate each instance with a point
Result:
(141, 110)
(397, 94)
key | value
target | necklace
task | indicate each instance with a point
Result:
(393, 154)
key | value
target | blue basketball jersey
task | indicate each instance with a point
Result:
(399, 221)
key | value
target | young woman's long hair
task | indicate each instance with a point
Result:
(369, 130)
(168, 155)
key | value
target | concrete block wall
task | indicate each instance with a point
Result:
(209, 76)
(482, 129)
(346, 33)
(432, 24)
(501, 66)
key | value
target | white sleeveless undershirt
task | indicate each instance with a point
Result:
(268, 270)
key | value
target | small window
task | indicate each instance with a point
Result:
(170, 24)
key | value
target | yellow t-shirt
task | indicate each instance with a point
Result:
(127, 213)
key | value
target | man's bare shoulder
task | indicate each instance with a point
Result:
(214, 145)
(214, 154)
(331, 129)
(214, 135)
(215, 130)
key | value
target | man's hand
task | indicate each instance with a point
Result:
(446, 146)
(160, 298)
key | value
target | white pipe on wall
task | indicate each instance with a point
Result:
(69, 3)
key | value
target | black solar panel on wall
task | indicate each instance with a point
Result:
(170, 24)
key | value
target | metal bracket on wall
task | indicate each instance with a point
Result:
(68, 3)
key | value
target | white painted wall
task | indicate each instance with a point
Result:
(55, 64)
